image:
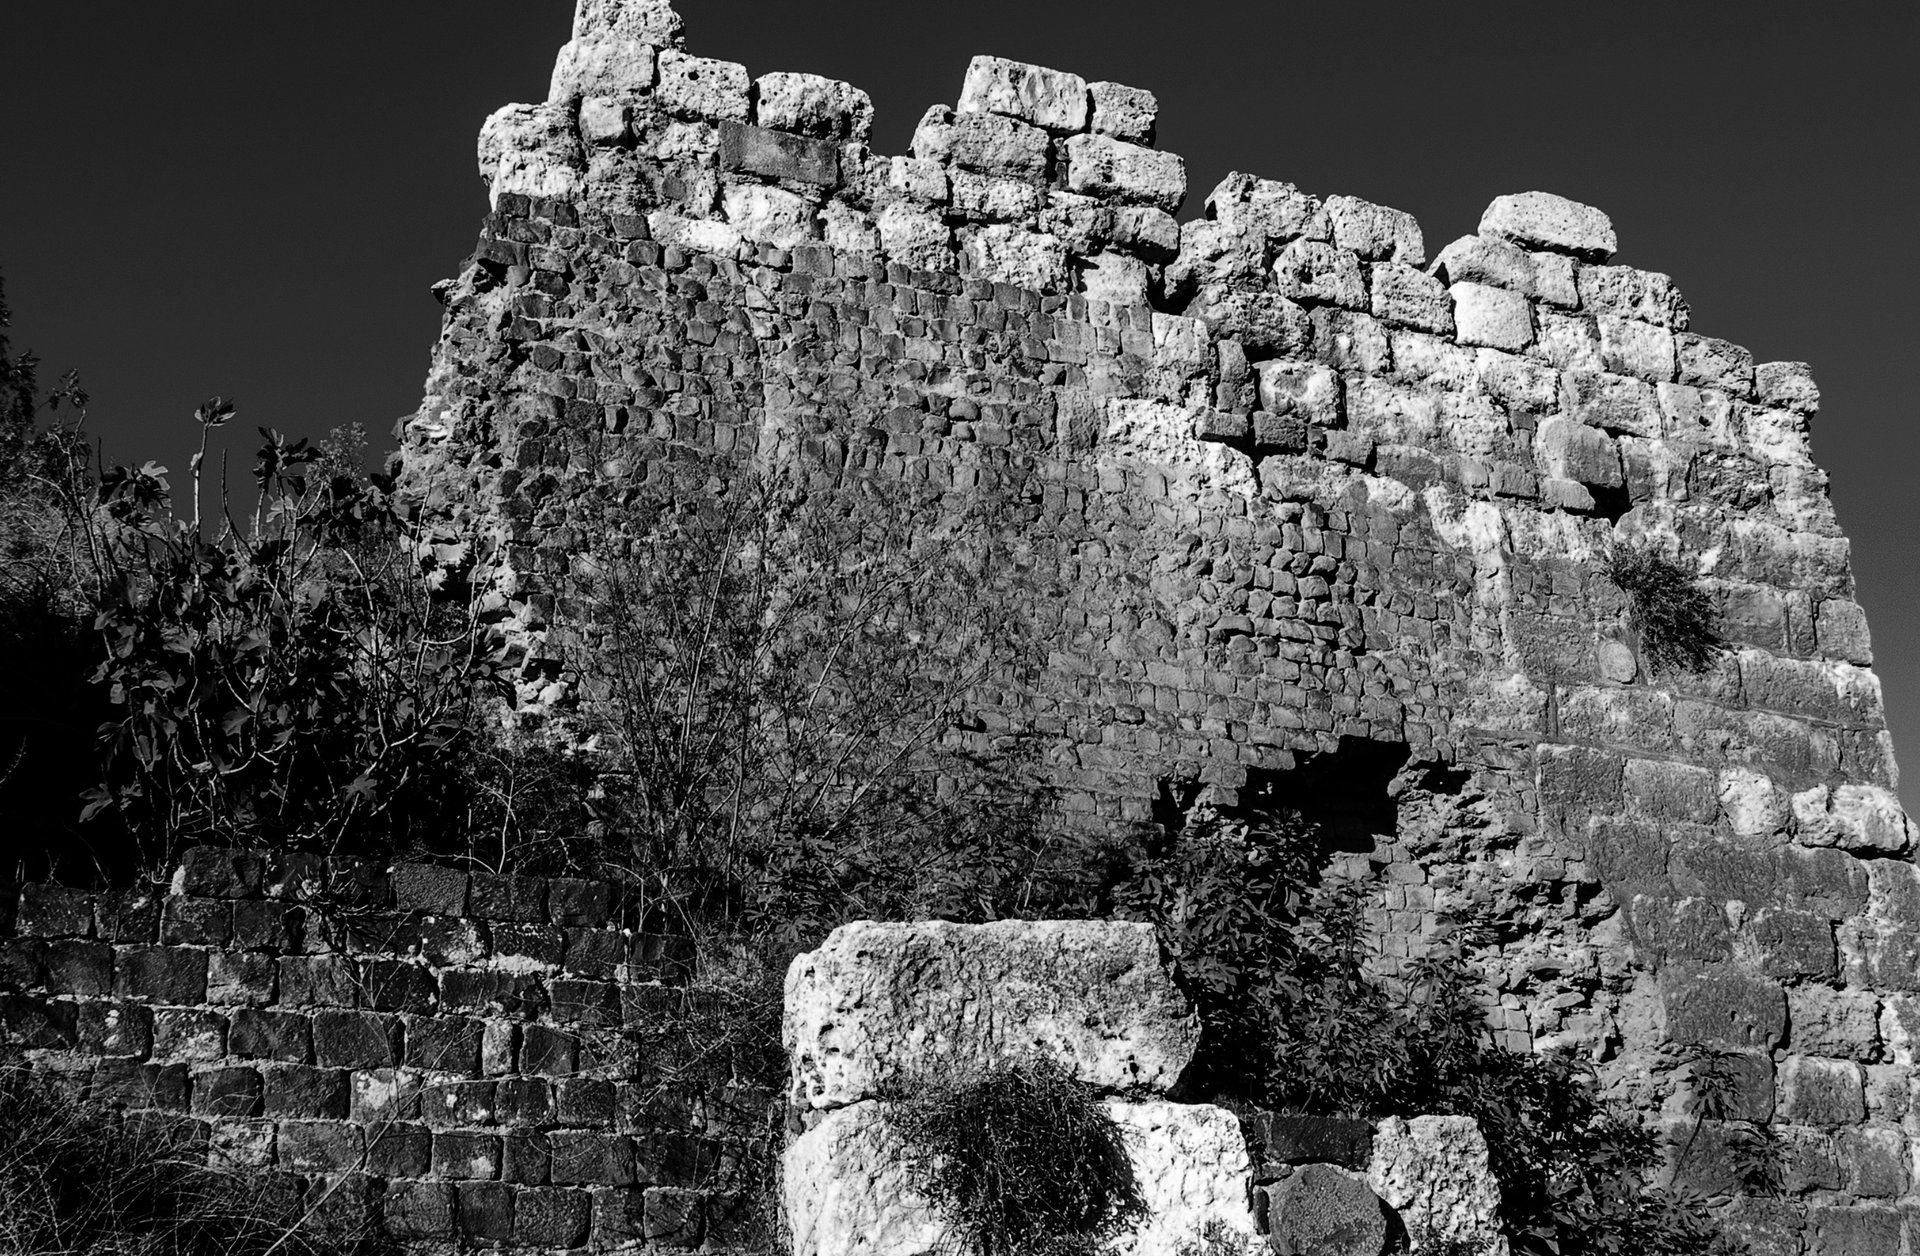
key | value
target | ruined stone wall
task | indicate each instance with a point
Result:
(1326, 518)
(458, 1059)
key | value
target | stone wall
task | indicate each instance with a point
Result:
(1325, 516)
(450, 1056)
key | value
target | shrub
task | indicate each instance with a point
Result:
(79, 1178)
(1021, 1161)
(1674, 618)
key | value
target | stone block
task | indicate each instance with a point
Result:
(320, 1146)
(1786, 386)
(114, 1029)
(877, 1004)
(1278, 1138)
(508, 898)
(845, 1187)
(1010, 253)
(1324, 1211)
(357, 1040)
(242, 978)
(265, 925)
(811, 105)
(698, 87)
(1541, 220)
(1052, 99)
(1838, 1023)
(1671, 930)
(1486, 260)
(768, 215)
(1708, 363)
(1305, 389)
(399, 1151)
(604, 121)
(317, 981)
(1788, 944)
(1375, 233)
(463, 1155)
(648, 21)
(391, 985)
(1874, 1160)
(1841, 630)
(1317, 273)
(485, 1211)
(426, 888)
(303, 1092)
(263, 1035)
(915, 237)
(195, 922)
(1125, 113)
(673, 1216)
(1820, 1091)
(1262, 323)
(136, 1087)
(231, 1093)
(778, 155)
(1612, 403)
(984, 142)
(1494, 317)
(419, 1210)
(1570, 450)
(602, 68)
(549, 1218)
(1630, 347)
(1126, 174)
(189, 1034)
(215, 872)
(581, 1158)
(1433, 1171)
(1661, 790)
(1863, 820)
(526, 1158)
(1722, 1005)
(1623, 292)
(160, 974)
(127, 916)
(75, 968)
(37, 1024)
(1840, 1230)
(1405, 295)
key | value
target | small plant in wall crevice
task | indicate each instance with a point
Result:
(1021, 1160)
(1671, 614)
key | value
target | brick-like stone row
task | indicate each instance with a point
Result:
(444, 1053)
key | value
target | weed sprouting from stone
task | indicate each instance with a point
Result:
(1672, 614)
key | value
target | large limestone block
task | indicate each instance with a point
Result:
(1101, 166)
(601, 67)
(1047, 98)
(1010, 253)
(812, 105)
(531, 149)
(647, 21)
(1433, 1171)
(879, 1005)
(846, 1191)
(1541, 220)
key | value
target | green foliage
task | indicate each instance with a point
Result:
(75, 1177)
(1021, 1160)
(1675, 619)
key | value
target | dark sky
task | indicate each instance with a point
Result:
(253, 198)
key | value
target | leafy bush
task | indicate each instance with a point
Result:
(1021, 1160)
(1674, 618)
(79, 1178)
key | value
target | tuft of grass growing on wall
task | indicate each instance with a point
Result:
(76, 1177)
(1674, 617)
(1021, 1161)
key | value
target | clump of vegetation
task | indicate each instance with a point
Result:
(1673, 616)
(78, 1178)
(1021, 1160)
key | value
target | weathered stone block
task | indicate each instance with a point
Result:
(1289, 1138)
(1874, 1159)
(984, 142)
(1323, 1211)
(1786, 386)
(549, 1218)
(358, 1040)
(320, 1146)
(1817, 1091)
(426, 888)
(160, 974)
(601, 67)
(1785, 943)
(114, 1029)
(1541, 220)
(1316, 272)
(419, 1210)
(1684, 930)
(1375, 233)
(1010, 253)
(1630, 347)
(1433, 1171)
(1851, 1231)
(301, 1091)
(697, 87)
(465, 1155)
(485, 1211)
(1125, 113)
(1052, 99)
(233, 1093)
(264, 1035)
(1403, 294)
(812, 105)
(1127, 174)
(509, 898)
(1623, 292)
(399, 1151)
(1722, 1005)
(1494, 317)
(1837, 1023)
(778, 155)
(877, 1005)
(195, 921)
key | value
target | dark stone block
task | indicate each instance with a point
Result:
(594, 952)
(1686, 930)
(456, 1104)
(357, 884)
(227, 1092)
(576, 903)
(264, 925)
(262, 1035)
(81, 969)
(509, 898)
(524, 1101)
(1723, 1005)
(123, 1029)
(1874, 1160)
(1322, 1210)
(394, 985)
(547, 1217)
(525, 1158)
(586, 1102)
(426, 888)
(619, 1216)
(242, 977)
(1577, 780)
(486, 1210)
(1830, 883)
(537, 944)
(1741, 1083)
(673, 1216)
(127, 916)
(133, 1085)
(344, 1204)
(295, 876)
(583, 1002)
(355, 1040)
(303, 1092)
(53, 911)
(195, 921)
(464, 1155)
(1284, 1138)
(1718, 868)
(23, 964)
(583, 1159)
(444, 1044)
(674, 1159)
(447, 940)
(160, 974)
(213, 872)
(399, 1151)
(317, 981)
(189, 1033)
(419, 1210)
(736, 1221)
(778, 155)
(507, 994)
(548, 1051)
(660, 957)
(1846, 1231)
(1792, 943)
(320, 1146)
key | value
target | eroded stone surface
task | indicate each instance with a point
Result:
(1433, 1171)
(846, 1190)
(879, 1005)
